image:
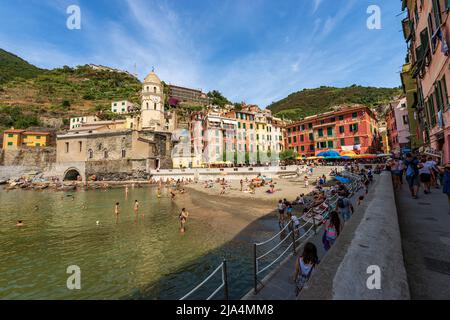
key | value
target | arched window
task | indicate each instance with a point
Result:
(124, 153)
(147, 105)
(91, 153)
(100, 147)
(154, 106)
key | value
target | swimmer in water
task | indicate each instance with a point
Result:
(126, 191)
(159, 192)
(136, 210)
(116, 211)
(20, 223)
(183, 218)
(172, 195)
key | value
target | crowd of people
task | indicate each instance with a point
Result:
(333, 223)
(419, 171)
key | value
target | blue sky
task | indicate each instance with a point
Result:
(257, 51)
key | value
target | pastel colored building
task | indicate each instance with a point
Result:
(77, 122)
(12, 138)
(348, 128)
(122, 107)
(397, 120)
(427, 31)
(35, 139)
(15, 139)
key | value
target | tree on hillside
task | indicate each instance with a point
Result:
(217, 98)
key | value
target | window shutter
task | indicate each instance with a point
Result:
(437, 90)
(443, 83)
(437, 13)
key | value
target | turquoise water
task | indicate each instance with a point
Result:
(140, 257)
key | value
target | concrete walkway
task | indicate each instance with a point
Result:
(425, 232)
(279, 284)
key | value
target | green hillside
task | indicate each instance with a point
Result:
(11, 67)
(313, 101)
(28, 93)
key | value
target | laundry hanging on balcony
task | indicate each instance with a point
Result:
(439, 35)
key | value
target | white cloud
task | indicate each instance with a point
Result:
(316, 5)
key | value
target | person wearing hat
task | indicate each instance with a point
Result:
(446, 184)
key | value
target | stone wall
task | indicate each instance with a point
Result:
(116, 170)
(39, 158)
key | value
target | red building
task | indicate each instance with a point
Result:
(349, 128)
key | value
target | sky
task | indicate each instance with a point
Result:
(253, 51)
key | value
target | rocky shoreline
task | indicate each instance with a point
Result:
(37, 182)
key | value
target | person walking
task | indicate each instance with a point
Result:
(425, 175)
(397, 172)
(332, 230)
(345, 207)
(281, 208)
(304, 266)
(412, 174)
(446, 182)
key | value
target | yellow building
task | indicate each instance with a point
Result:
(15, 138)
(12, 138)
(35, 139)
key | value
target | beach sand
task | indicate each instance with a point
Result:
(235, 211)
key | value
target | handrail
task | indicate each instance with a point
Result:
(281, 231)
(223, 285)
(330, 203)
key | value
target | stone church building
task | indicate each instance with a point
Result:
(108, 149)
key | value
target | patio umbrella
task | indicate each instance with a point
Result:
(342, 179)
(329, 153)
(314, 158)
(348, 153)
(366, 156)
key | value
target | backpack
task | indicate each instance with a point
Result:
(340, 203)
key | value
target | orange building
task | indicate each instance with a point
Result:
(349, 128)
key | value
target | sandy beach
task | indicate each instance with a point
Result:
(237, 210)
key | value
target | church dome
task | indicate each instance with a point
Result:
(153, 78)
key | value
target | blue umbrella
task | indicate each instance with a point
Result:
(342, 179)
(329, 153)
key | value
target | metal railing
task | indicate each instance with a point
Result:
(310, 219)
(224, 285)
